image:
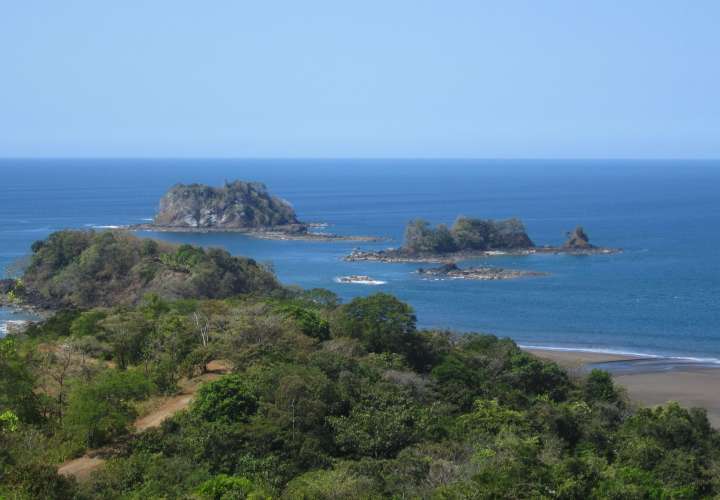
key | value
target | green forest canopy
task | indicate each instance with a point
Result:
(87, 268)
(466, 234)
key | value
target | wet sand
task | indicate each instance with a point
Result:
(577, 359)
(649, 382)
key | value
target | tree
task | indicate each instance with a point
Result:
(383, 422)
(37, 481)
(101, 410)
(58, 366)
(87, 323)
(127, 332)
(418, 235)
(230, 398)
(167, 348)
(442, 240)
(330, 485)
(16, 384)
(380, 321)
(224, 487)
(470, 234)
(9, 423)
(309, 321)
(599, 387)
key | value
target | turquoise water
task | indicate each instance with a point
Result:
(660, 296)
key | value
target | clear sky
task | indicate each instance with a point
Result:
(369, 78)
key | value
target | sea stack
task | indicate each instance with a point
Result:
(578, 240)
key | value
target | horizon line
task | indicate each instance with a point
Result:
(360, 158)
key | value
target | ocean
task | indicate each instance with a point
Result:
(660, 296)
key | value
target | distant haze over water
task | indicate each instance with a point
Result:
(660, 296)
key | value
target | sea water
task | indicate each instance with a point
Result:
(660, 296)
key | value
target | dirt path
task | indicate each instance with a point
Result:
(81, 468)
(167, 409)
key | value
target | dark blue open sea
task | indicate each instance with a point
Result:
(661, 296)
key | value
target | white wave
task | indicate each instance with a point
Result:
(149, 219)
(615, 352)
(106, 227)
(358, 281)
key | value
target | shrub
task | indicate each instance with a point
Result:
(229, 398)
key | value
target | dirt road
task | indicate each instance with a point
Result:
(81, 468)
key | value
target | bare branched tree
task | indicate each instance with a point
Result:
(202, 324)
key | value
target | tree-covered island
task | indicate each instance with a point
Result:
(470, 238)
(276, 392)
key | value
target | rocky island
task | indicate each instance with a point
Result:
(244, 207)
(470, 238)
(452, 271)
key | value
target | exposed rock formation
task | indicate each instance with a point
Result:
(578, 240)
(6, 286)
(236, 205)
(452, 271)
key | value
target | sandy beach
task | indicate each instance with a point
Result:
(687, 385)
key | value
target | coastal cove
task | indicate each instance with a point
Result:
(649, 381)
(659, 296)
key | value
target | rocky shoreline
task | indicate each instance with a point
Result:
(15, 326)
(394, 255)
(452, 271)
(23, 307)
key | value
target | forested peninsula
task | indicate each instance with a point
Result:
(470, 238)
(82, 269)
(244, 207)
(180, 372)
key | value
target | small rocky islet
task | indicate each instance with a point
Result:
(484, 273)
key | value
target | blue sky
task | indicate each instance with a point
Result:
(390, 78)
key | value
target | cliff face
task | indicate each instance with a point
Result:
(237, 205)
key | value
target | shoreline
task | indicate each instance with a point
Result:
(647, 379)
(267, 234)
(612, 355)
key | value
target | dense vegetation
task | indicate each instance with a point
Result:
(466, 234)
(87, 269)
(235, 205)
(324, 401)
